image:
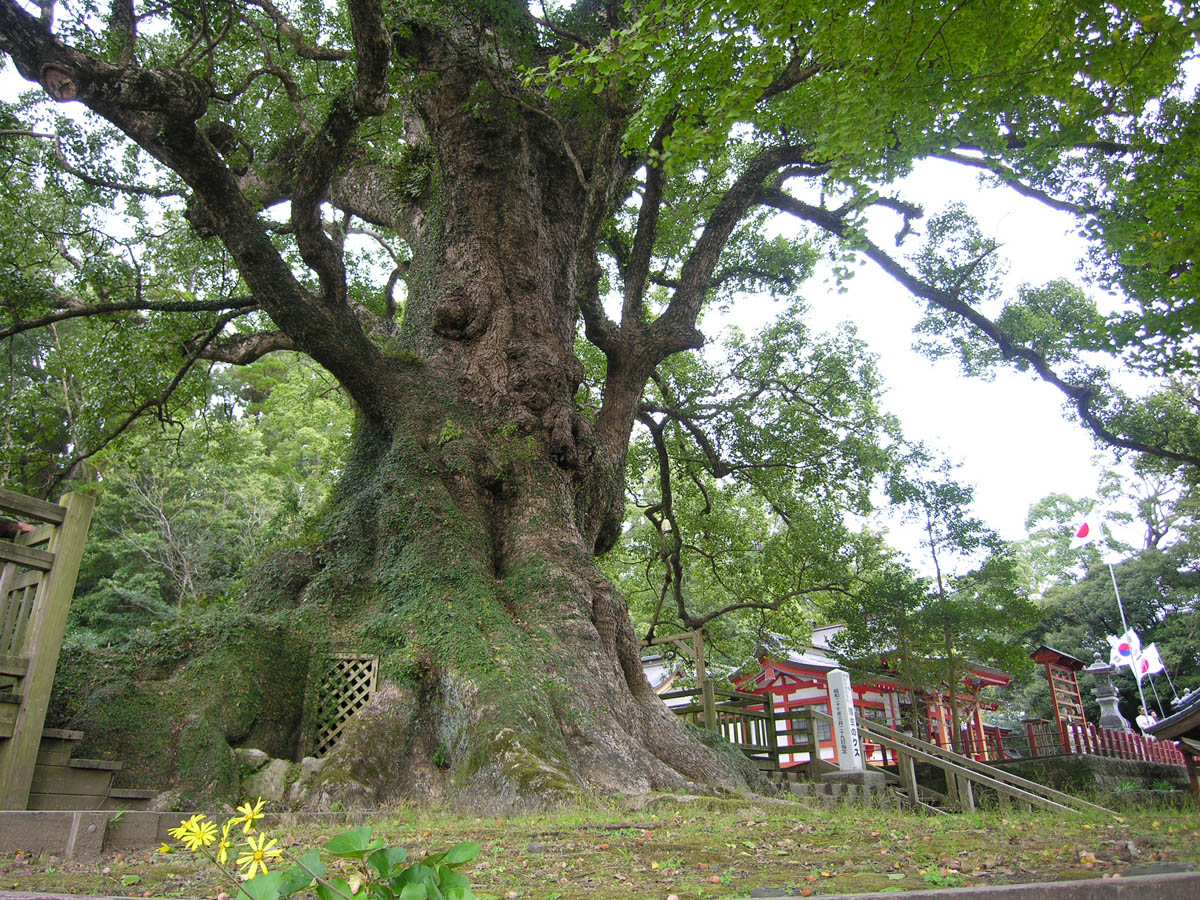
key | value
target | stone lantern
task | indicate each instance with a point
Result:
(1107, 695)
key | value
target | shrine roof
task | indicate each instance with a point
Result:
(1046, 654)
(1183, 726)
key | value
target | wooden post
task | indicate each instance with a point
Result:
(908, 778)
(814, 746)
(709, 701)
(698, 652)
(966, 794)
(772, 736)
(43, 641)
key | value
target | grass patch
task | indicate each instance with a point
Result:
(702, 852)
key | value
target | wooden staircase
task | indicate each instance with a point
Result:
(60, 781)
(37, 578)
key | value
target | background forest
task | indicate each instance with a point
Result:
(189, 505)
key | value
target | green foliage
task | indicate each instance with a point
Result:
(181, 512)
(1158, 582)
(931, 631)
(376, 871)
(739, 518)
(683, 129)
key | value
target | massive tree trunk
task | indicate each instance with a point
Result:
(458, 559)
(466, 529)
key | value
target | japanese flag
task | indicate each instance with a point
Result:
(1087, 532)
(1126, 650)
(1150, 663)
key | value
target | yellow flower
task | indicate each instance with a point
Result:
(203, 834)
(225, 844)
(250, 813)
(258, 854)
(166, 848)
(195, 832)
(185, 827)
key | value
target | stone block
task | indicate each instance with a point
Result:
(866, 778)
(251, 757)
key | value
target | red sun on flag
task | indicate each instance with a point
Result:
(1083, 531)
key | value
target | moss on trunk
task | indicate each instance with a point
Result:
(503, 651)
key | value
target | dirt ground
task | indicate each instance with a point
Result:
(697, 850)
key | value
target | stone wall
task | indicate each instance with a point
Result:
(1095, 773)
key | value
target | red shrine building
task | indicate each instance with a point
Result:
(799, 679)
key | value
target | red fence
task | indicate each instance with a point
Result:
(1122, 745)
(1047, 739)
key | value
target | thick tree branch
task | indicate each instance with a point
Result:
(243, 349)
(675, 329)
(303, 48)
(637, 268)
(772, 605)
(1010, 179)
(134, 94)
(605, 194)
(324, 151)
(795, 73)
(158, 109)
(74, 309)
(1082, 397)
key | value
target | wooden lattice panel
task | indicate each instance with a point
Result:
(347, 684)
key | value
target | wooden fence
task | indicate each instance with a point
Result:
(37, 579)
(748, 722)
(963, 777)
(753, 727)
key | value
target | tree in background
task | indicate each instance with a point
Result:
(184, 508)
(1159, 581)
(744, 480)
(518, 175)
(930, 631)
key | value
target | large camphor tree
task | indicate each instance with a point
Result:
(559, 184)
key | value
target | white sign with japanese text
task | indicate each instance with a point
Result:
(845, 728)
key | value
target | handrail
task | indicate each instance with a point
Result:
(953, 767)
(906, 742)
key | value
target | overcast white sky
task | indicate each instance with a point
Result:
(1010, 434)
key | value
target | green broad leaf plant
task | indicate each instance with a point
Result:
(365, 868)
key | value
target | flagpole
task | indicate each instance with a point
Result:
(1157, 699)
(1170, 682)
(1121, 606)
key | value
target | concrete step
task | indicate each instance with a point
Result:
(831, 794)
(81, 784)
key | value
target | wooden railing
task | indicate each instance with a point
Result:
(963, 775)
(1095, 741)
(745, 720)
(37, 579)
(752, 725)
